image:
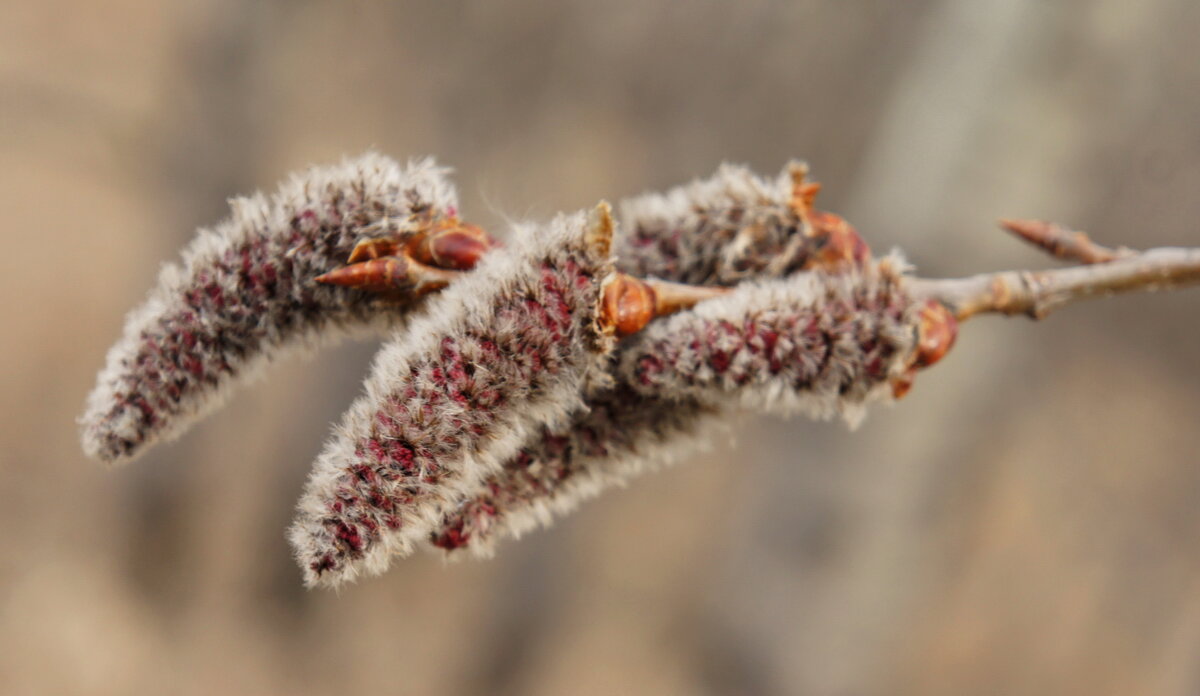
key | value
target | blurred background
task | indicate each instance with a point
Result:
(1027, 521)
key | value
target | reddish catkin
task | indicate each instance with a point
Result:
(505, 403)
(507, 348)
(619, 435)
(824, 344)
(246, 299)
(731, 226)
(717, 231)
(243, 294)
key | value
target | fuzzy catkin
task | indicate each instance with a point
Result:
(819, 343)
(619, 435)
(716, 231)
(508, 348)
(243, 294)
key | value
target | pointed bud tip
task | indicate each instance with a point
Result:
(340, 276)
(370, 249)
(377, 275)
(798, 171)
(600, 230)
(1029, 229)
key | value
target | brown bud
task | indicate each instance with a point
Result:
(374, 248)
(902, 384)
(390, 275)
(935, 334)
(839, 243)
(1062, 242)
(626, 304)
(451, 244)
(804, 192)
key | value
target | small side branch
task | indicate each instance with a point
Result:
(1063, 243)
(1104, 272)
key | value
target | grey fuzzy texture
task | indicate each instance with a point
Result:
(816, 343)
(619, 435)
(720, 230)
(243, 295)
(509, 348)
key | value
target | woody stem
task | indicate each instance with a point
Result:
(1037, 293)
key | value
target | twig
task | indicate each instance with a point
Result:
(1063, 243)
(630, 303)
(514, 374)
(1037, 293)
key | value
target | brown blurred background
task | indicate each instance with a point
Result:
(1027, 521)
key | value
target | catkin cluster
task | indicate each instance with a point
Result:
(728, 228)
(504, 399)
(509, 347)
(821, 343)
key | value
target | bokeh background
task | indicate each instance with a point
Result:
(1027, 521)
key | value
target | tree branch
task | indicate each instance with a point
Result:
(1104, 272)
(499, 406)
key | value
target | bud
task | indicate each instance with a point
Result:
(836, 244)
(453, 245)
(936, 331)
(399, 277)
(627, 304)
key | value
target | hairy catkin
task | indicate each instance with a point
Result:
(818, 343)
(620, 433)
(243, 294)
(718, 231)
(505, 350)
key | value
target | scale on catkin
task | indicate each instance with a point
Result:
(524, 376)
